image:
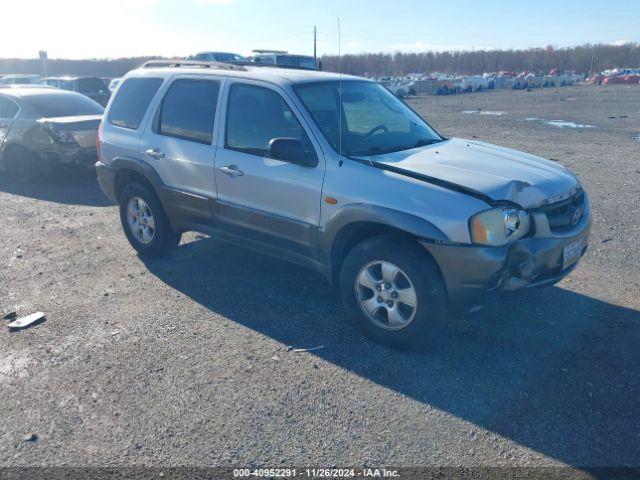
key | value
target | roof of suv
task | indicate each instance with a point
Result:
(270, 74)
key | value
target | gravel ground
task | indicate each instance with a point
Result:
(184, 361)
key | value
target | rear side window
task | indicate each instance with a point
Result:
(8, 109)
(132, 100)
(188, 110)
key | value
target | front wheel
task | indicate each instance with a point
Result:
(393, 291)
(144, 221)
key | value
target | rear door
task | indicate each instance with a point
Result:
(270, 200)
(8, 112)
(179, 142)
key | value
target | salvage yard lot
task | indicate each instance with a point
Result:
(184, 360)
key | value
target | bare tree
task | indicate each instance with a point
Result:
(466, 62)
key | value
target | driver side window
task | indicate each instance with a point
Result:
(255, 116)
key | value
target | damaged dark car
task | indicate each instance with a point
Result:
(41, 128)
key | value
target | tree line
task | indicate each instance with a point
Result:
(582, 59)
(111, 68)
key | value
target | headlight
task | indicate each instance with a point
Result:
(499, 226)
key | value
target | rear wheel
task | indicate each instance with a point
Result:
(23, 166)
(393, 291)
(144, 221)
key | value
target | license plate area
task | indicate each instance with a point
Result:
(571, 253)
(85, 138)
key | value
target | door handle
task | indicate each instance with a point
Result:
(232, 170)
(155, 153)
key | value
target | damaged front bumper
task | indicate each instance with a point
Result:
(471, 271)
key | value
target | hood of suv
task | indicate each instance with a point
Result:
(497, 172)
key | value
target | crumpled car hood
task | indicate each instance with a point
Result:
(500, 173)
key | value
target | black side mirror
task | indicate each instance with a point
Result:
(291, 150)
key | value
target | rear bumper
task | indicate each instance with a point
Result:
(471, 272)
(72, 155)
(106, 179)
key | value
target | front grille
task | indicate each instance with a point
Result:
(566, 214)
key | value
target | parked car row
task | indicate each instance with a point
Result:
(20, 79)
(277, 58)
(93, 87)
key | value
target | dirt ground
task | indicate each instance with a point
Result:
(184, 360)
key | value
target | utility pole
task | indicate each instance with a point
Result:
(315, 45)
(42, 55)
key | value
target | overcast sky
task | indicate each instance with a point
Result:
(117, 28)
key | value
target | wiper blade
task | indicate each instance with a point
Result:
(427, 141)
(377, 150)
(394, 148)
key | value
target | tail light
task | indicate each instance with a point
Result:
(98, 141)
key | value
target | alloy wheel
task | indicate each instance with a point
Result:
(140, 220)
(386, 295)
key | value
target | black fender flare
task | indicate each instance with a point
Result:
(373, 214)
(177, 204)
(138, 166)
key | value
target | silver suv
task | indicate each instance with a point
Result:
(335, 173)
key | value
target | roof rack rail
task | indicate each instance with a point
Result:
(191, 63)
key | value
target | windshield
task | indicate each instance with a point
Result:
(373, 121)
(296, 61)
(63, 104)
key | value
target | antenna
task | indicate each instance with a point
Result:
(339, 88)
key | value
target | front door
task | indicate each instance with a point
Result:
(270, 200)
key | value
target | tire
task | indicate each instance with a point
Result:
(429, 316)
(23, 166)
(159, 239)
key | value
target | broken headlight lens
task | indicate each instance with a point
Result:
(499, 226)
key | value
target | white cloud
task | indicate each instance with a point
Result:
(619, 43)
(216, 2)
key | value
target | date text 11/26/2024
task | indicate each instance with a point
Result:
(316, 473)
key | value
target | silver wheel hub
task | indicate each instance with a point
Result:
(386, 295)
(140, 220)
